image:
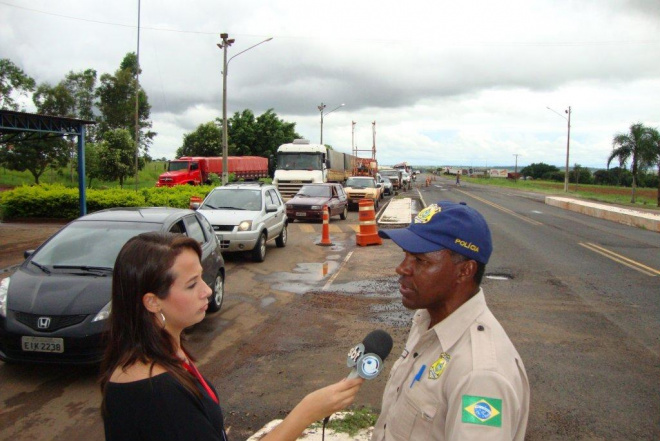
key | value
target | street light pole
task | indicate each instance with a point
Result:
(568, 143)
(321, 108)
(353, 138)
(226, 42)
(516, 155)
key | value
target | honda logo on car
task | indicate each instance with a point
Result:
(43, 322)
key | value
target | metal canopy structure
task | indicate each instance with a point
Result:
(36, 127)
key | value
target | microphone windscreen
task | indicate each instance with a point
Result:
(378, 342)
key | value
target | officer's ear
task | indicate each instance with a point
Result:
(467, 270)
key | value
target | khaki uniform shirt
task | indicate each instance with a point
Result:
(460, 380)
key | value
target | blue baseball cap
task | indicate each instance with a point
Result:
(450, 225)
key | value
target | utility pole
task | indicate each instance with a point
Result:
(353, 137)
(568, 143)
(515, 173)
(225, 167)
(321, 107)
(516, 155)
(226, 42)
(137, 99)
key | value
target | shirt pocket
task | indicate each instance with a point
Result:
(413, 417)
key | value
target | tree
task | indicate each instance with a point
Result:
(116, 102)
(13, 79)
(273, 132)
(54, 100)
(613, 176)
(580, 175)
(242, 133)
(57, 101)
(82, 87)
(537, 171)
(651, 152)
(634, 146)
(93, 167)
(35, 155)
(206, 140)
(246, 135)
(117, 154)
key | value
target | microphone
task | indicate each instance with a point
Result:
(366, 358)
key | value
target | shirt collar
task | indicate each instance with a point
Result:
(453, 327)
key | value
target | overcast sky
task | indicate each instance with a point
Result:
(447, 83)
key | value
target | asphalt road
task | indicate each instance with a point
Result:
(587, 326)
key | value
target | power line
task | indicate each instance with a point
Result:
(372, 40)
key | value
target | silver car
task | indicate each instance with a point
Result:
(388, 189)
(245, 217)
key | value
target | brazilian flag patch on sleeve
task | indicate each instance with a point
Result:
(483, 411)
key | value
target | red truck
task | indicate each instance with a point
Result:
(195, 170)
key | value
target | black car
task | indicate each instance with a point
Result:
(54, 308)
(308, 203)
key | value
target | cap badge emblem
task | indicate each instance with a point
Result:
(426, 214)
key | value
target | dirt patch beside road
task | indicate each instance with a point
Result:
(16, 237)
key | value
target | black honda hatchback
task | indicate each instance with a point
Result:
(54, 308)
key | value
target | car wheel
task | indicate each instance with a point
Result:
(344, 214)
(376, 204)
(280, 241)
(259, 251)
(291, 219)
(218, 294)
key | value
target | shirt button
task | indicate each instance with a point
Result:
(415, 355)
(480, 328)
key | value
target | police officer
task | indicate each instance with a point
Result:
(459, 376)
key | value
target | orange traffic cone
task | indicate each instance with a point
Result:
(325, 237)
(368, 234)
(194, 199)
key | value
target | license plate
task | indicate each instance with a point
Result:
(301, 213)
(42, 344)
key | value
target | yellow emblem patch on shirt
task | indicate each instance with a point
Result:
(439, 366)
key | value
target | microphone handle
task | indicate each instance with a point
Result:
(353, 374)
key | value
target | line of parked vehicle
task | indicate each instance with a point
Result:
(54, 308)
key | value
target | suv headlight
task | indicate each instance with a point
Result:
(104, 313)
(317, 207)
(4, 289)
(245, 226)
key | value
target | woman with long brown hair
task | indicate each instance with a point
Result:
(151, 387)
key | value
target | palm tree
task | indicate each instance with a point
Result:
(634, 146)
(651, 152)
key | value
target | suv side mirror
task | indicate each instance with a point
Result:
(271, 208)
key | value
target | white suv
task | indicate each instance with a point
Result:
(246, 216)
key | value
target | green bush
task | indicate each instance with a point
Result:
(178, 196)
(58, 201)
(557, 176)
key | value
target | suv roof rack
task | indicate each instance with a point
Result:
(259, 183)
